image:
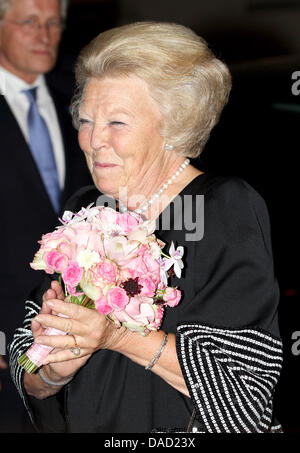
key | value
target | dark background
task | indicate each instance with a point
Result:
(257, 137)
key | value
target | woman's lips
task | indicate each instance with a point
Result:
(104, 165)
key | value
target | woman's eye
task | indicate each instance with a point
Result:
(116, 123)
(83, 121)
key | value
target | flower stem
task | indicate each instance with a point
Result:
(27, 364)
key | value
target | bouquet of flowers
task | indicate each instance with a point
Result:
(111, 262)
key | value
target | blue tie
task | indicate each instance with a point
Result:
(42, 149)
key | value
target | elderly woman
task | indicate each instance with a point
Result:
(148, 96)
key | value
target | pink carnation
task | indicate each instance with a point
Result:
(117, 298)
(105, 270)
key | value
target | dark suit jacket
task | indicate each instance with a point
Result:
(26, 211)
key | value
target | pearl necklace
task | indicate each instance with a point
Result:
(159, 192)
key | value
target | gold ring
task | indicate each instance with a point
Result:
(76, 349)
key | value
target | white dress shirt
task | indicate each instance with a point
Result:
(19, 105)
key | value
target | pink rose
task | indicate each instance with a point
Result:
(140, 309)
(56, 262)
(136, 267)
(50, 240)
(148, 287)
(133, 308)
(120, 250)
(139, 315)
(72, 290)
(117, 298)
(108, 216)
(153, 267)
(124, 274)
(102, 306)
(147, 314)
(95, 242)
(122, 317)
(78, 233)
(73, 274)
(172, 296)
(127, 222)
(68, 249)
(105, 270)
(136, 313)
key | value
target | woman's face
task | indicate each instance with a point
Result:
(119, 134)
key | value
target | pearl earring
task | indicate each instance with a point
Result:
(169, 147)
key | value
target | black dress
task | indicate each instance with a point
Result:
(226, 329)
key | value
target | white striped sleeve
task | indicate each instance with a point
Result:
(22, 340)
(231, 375)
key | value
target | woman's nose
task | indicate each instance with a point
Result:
(99, 137)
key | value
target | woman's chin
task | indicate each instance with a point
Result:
(109, 188)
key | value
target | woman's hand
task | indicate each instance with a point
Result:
(91, 330)
(55, 291)
(58, 371)
(63, 370)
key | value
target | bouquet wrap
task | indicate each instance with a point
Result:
(36, 354)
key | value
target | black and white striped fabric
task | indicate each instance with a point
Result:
(231, 375)
(22, 340)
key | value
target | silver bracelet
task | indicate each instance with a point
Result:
(157, 354)
(55, 384)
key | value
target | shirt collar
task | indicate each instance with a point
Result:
(14, 85)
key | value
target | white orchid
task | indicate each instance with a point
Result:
(174, 260)
(163, 275)
(70, 217)
(142, 231)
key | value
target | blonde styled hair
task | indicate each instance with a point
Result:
(189, 84)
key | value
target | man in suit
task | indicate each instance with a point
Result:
(41, 162)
